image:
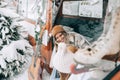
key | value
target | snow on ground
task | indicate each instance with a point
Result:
(46, 76)
(24, 76)
(92, 75)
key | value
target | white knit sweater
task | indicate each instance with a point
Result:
(63, 59)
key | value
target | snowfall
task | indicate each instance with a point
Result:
(9, 51)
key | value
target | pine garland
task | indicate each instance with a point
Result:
(8, 34)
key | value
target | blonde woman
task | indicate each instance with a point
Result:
(66, 43)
